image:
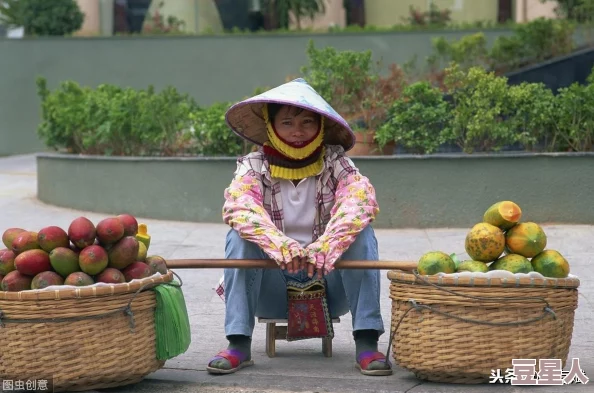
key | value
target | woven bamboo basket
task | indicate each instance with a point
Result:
(459, 329)
(80, 338)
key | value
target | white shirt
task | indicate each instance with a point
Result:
(299, 209)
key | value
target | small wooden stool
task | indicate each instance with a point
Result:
(274, 332)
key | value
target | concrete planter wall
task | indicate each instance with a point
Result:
(413, 191)
(558, 72)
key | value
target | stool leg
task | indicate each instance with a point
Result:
(271, 339)
(327, 347)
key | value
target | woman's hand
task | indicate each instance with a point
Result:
(298, 264)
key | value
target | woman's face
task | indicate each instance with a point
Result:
(296, 125)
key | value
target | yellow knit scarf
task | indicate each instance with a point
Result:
(290, 162)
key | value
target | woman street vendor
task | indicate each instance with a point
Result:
(300, 201)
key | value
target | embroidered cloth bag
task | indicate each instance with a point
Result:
(308, 315)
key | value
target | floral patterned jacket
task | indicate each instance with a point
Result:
(346, 204)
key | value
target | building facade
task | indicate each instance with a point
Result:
(108, 17)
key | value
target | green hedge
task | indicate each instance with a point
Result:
(112, 120)
(366, 29)
(42, 17)
(480, 112)
(463, 105)
(529, 43)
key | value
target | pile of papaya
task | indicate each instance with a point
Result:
(501, 241)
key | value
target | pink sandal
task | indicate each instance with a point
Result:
(237, 359)
(365, 358)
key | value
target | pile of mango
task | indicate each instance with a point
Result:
(501, 242)
(113, 251)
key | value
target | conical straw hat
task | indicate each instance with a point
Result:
(246, 120)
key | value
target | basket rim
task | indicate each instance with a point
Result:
(87, 291)
(522, 282)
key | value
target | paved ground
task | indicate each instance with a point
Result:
(299, 366)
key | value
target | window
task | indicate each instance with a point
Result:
(129, 15)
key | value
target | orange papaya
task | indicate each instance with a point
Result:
(434, 262)
(484, 242)
(503, 214)
(550, 263)
(526, 238)
(512, 263)
(472, 266)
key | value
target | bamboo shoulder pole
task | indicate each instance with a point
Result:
(270, 264)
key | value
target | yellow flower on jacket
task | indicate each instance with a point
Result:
(325, 247)
(357, 222)
(258, 210)
(246, 187)
(259, 231)
(235, 193)
(361, 194)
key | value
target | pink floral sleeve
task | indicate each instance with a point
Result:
(243, 211)
(355, 207)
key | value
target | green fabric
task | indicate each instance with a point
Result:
(172, 325)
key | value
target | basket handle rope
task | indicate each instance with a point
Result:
(419, 307)
(126, 310)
